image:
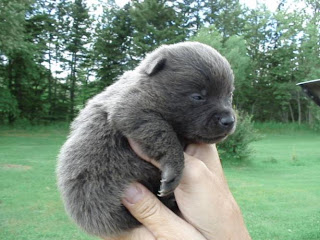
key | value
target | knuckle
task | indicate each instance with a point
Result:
(149, 209)
(197, 170)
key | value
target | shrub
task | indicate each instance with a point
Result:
(314, 121)
(237, 146)
(8, 104)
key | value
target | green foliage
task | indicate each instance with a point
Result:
(315, 119)
(281, 128)
(155, 23)
(12, 22)
(227, 15)
(8, 104)
(210, 36)
(78, 35)
(237, 146)
(55, 54)
(112, 52)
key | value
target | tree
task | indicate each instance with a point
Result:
(112, 49)
(12, 20)
(26, 83)
(77, 42)
(25, 76)
(273, 40)
(227, 15)
(42, 28)
(154, 23)
(191, 12)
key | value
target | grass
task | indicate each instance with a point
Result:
(30, 206)
(278, 189)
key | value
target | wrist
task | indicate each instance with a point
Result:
(235, 227)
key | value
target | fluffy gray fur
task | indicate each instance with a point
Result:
(179, 94)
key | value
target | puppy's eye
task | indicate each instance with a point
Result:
(197, 97)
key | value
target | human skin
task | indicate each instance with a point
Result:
(208, 208)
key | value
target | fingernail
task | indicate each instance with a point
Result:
(133, 194)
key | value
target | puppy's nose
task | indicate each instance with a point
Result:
(227, 121)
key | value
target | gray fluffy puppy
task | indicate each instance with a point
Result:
(180, 94)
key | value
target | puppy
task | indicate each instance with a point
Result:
(180, 94)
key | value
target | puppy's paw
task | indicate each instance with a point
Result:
(169, 181)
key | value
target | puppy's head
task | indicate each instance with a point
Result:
(193, 85)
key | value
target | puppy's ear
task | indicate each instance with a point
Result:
(155, 65)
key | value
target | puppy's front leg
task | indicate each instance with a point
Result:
(163, 145)
(158, 140)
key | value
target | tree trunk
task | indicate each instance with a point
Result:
(310, 117)
(299, 108)
(11, 117)
(73, 84)
(291, 112)
(50, 81)
(55, 81)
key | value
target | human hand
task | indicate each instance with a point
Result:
(208, 208)
(204, 197)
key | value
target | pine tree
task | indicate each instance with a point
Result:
(12, 38)
(154, 23)
(77, 41)
(227, 15)
(192, 14)
(112, 50)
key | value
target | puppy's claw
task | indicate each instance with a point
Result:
(160, 194)
(170, 180)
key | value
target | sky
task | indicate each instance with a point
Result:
(121, 2)
(271, 4)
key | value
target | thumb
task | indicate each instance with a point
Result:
(148, 210)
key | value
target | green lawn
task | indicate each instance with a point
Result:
(30, 207)
(278, 190)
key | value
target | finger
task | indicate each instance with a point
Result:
(208, 154)
(195, 174)
(202, 168)
(200, 194)
(195, 194)
(137, 149)
(156, 217)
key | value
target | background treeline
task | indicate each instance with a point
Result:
(55, 54)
